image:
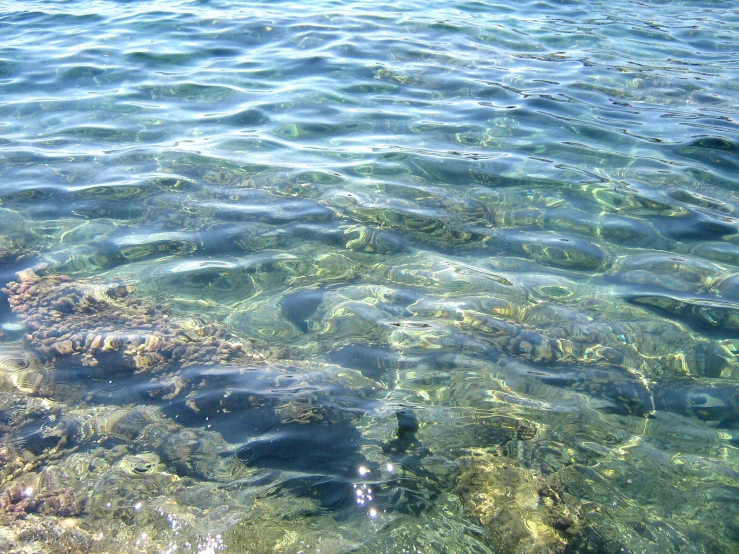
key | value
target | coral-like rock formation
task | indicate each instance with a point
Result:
(523, 513)
(18, 502)
(104, 324)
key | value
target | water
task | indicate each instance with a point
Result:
(366, 277)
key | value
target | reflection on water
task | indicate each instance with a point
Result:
(369, 278)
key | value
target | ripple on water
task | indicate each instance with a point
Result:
(248, 238)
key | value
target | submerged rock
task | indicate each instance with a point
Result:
(523, 513)
(298, 428)
(83, 322)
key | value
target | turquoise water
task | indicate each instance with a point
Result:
(369, 277)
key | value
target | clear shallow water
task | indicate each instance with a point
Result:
(259, 232)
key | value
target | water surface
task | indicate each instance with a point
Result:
(369, 277)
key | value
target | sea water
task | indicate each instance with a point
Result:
(350, 276)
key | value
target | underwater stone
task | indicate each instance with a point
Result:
(407, 423)
(521, 511)
(89, 323)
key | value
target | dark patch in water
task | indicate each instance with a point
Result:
(371, 361)
(5, 313)
(407, 424)
(698, 226)
(321, 459)
(719, 404)
(247, 118)
(325, 449)
(414, 488)
(300, 306)
(623, 393)
(36, 439)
